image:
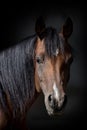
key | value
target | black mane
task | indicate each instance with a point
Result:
(17, 75)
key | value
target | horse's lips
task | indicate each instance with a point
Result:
(56, 112)
(51, 114)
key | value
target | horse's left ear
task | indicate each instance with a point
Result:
(39, 26)
(67, 28)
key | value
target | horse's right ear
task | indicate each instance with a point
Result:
(39, 26)
(67, 28)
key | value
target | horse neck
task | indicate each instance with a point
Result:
(30, 102)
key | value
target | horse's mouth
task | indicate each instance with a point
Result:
(55, 112)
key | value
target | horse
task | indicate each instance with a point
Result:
(38, 63)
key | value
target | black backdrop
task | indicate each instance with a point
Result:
(17, 21)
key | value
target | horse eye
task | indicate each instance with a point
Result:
(39, 59)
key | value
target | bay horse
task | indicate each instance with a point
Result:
(39, 63)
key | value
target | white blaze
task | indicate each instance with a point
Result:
(57, 52)
(56, 91)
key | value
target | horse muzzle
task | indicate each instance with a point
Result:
(57, 105)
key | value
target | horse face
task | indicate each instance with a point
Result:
(52, 73)
(51, 76)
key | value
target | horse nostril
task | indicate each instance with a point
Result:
(50, 98)
(65, 100)
(52, 101)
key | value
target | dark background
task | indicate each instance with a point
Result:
(17, 21)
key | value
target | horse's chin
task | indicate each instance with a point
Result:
(53, 113)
